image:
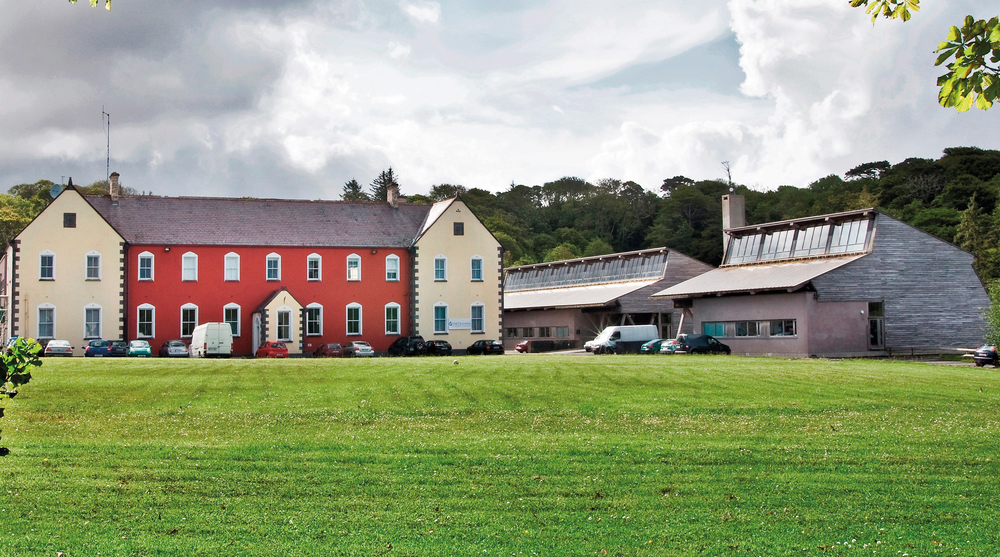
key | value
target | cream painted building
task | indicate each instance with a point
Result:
(279, 318)
(457, 274)
(64, 275)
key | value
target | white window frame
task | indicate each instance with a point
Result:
(392, 268)
(231, 273)
(100, 317)
(389, 330)
(319, 321)
(355, 260)
(482, 317)
(472, 268)
(443, 331)
(357, 306)
(267, 266)
(189, 307)
(287, 313)
(48, 308)
(149, 256)
(319, 266)
(239, 315)
(138, 320)
(87, 267)
(52, 268)
(189, 275)
(443, 276)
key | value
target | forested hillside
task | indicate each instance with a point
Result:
(954, 198)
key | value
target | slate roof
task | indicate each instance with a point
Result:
(787, 276)
(260, 222)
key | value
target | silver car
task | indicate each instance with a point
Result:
(358, 348)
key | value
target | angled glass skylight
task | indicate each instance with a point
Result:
(798, 239)
(646, 265)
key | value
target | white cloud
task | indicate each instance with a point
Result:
(422, 10)
(399, 50)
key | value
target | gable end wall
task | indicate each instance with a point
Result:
(932, 296)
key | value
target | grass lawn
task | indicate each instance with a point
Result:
(513, 455)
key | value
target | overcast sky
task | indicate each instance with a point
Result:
(273, 98)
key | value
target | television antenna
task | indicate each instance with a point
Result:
(107, 170)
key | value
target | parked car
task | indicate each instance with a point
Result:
(96, 349)
(651, 347)
(117, 348)
(174, 349)
(58, 348)
(700, 344)
(140, 348)
(986, 354)
(485, 347)
(590, 345)
(272, 349)
(408, 346)
(358, 348)
(331, 350)
(522, 346)
(438, 348)
(669, 346)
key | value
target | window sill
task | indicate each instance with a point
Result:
(232, 280)
(145, 280)
(477, 280)
(47, 279)
(273, 279)
(392, 280)
(92, 280)
(440, 280)
(314, 280)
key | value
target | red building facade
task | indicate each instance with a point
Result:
(343, 293)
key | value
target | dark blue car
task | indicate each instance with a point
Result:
(97, 349)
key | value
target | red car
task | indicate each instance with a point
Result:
(273, 349)
(522, 346)
(332, 350)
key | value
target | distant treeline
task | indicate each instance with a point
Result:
(954, 198)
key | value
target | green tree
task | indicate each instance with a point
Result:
(562, 252)
(970, 80)
(597, 246)
(380, 185)
(991, 332)
(353, 192)
(441, 192)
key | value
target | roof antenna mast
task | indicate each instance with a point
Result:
(107, 174)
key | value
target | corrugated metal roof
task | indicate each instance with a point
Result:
(260, 222)
(756, 278)
(571, 297)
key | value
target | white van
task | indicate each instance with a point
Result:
(212, 340)
(623, 339)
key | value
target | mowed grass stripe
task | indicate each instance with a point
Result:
(542, 455)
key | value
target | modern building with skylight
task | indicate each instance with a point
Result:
(852, 284)
(570, 302)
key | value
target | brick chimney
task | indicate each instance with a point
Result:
(733, 216)
(113, 188)
(392, 195)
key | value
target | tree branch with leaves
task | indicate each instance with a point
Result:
(971, 53)
(94, 3)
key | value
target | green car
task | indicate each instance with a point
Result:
(139, 348)
(651, 347)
